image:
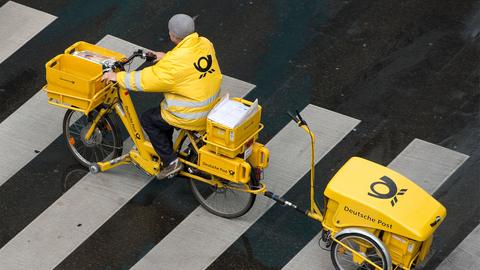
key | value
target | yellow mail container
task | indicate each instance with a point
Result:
(231, 142)
(73, 82)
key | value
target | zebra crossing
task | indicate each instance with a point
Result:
(200, 238)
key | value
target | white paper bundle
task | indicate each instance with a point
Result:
(231, 113)
(94, 57)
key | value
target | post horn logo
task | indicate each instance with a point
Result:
(203, 65)
(391, 193)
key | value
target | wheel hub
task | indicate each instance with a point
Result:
(94, 140)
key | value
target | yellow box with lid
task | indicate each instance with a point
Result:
(232, 141)
(234, 169)
(74, 78)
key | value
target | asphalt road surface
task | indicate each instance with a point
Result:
(396, 82)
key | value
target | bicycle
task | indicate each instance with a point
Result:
(367, 219)
(223, 173)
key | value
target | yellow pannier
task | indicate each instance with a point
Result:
(234, 169)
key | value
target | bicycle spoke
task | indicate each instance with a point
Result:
(107, 145)
(91, 155)
(95, 154)
(81, 146)
(103, 152)
(77, 126)
(85, 120)
(74, 133)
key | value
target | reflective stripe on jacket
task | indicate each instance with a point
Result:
(189, 77)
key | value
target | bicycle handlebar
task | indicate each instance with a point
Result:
(148, 56)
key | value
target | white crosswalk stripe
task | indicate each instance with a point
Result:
(31, 128)
(34, 125)
(201, 237)
(466, 255)
(18, 24)
(86, 206)
(427, 164)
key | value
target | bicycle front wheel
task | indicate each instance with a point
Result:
(105, 143)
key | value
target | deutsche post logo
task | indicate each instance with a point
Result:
(203, 65)
(390, 194)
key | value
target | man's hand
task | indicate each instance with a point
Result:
(159, 55)
(109, 76)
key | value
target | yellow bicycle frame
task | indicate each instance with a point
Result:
(144, 156)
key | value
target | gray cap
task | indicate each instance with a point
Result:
(181, 25)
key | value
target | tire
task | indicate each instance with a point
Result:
(223, 202)
(105, 143)
(343, 260)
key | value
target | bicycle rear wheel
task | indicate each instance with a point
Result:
(105, 143)
(224, 202)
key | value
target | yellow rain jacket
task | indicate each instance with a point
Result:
(189, 77)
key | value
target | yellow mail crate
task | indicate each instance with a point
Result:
(233, 141)
(74, 82)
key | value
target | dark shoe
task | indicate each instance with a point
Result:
(171, 170)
